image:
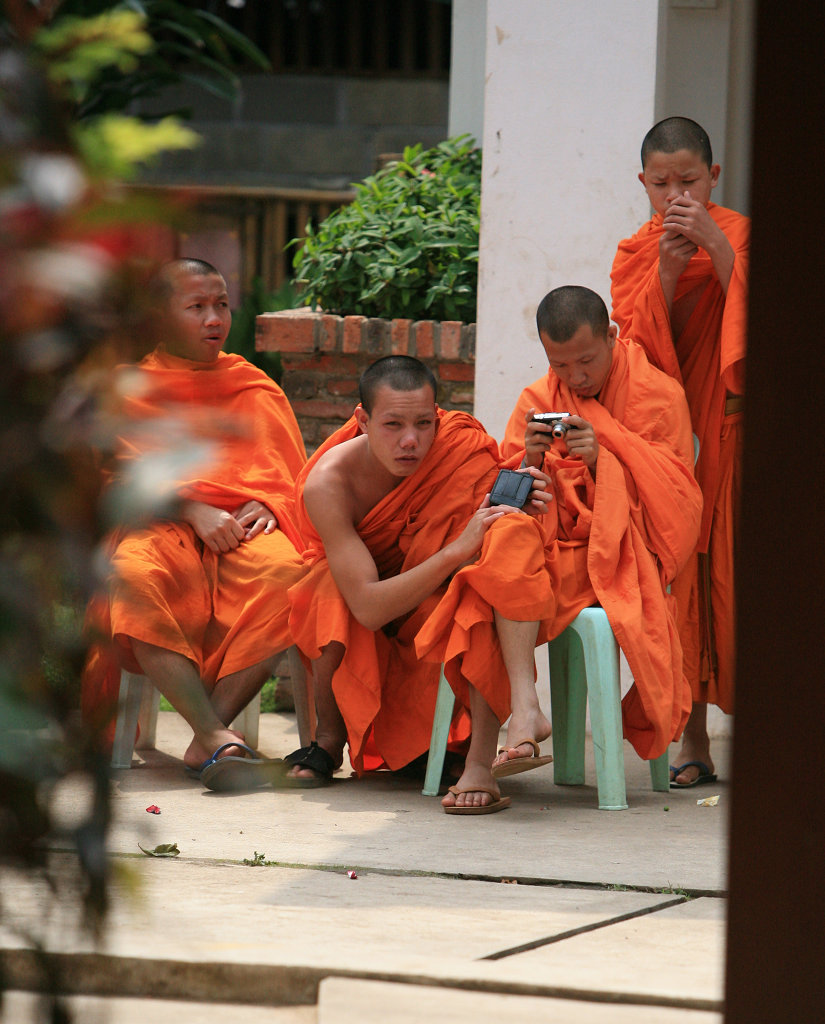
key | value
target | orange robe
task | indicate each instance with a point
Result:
(383, 689)
(620, 540)
(223, 612)
(708, 360)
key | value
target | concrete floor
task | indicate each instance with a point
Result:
(552, 909)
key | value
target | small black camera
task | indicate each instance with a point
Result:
(511, 488)
(554, 420)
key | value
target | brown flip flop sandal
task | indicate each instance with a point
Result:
(498, 804)
(516, 765)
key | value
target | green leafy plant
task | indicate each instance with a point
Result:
(407, 246)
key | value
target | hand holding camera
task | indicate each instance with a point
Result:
(546, 428)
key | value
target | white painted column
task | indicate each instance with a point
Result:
(468, 46)
(570, 93)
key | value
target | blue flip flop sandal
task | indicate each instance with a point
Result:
(233, 774)
(704, 778)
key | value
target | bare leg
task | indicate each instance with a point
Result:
(695, 745)
(479, 757)
(527, 721)
(330, 729)
(177, 679)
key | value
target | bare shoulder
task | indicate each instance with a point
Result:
(328, 492)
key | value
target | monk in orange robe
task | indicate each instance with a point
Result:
(680, 290)
(391, 506)
(197, 599)
(627, 507)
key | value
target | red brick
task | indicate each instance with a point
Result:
(468, 341)
(288, 331)
(457, 371)
(328, 332)
(449, 346)
(352, 334)
(424, 340)
(342, 387)
(340, 365)
(376, 336)
(400, 331)
(319, 409)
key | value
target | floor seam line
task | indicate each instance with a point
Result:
(584, 929)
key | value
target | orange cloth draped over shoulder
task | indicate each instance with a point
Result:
(708, 360)
(384, 690)
(223, 612)
(622, 538)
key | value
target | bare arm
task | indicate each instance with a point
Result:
(372, 601)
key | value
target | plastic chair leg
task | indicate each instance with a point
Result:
(148, 716)
(568, 695)
(602, 654)
(129, 700)
(248, 721)
(302, 694)
(660, 773)
(444, 704)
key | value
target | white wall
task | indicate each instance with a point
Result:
(569, 95)
(468, 44)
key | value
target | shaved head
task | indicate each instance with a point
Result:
(401, 373)
(564, 310)
(675, 133)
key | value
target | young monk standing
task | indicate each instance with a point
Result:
(391, 507)
(679, 288)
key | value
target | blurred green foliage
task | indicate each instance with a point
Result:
(407, 246)
(73, 274)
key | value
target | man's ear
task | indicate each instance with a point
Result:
(612, 334)
(361, 418)
(715, 171)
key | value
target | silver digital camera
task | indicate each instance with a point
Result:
(554, 420)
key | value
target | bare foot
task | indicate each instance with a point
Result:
(474, 775)
(692, 752)
(198, 752)
(533, 725)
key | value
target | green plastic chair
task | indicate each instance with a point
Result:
(584, 669)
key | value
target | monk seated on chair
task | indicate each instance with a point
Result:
(197, 599)
(391, 507)
(627, 508)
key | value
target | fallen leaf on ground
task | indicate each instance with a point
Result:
(164, 850)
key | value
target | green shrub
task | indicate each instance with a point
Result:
(407, 246)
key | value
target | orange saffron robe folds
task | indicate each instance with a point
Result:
(385, 692)
(620, 540)
(224, 612)
(708, 360)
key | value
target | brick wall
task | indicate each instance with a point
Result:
(324, 355)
